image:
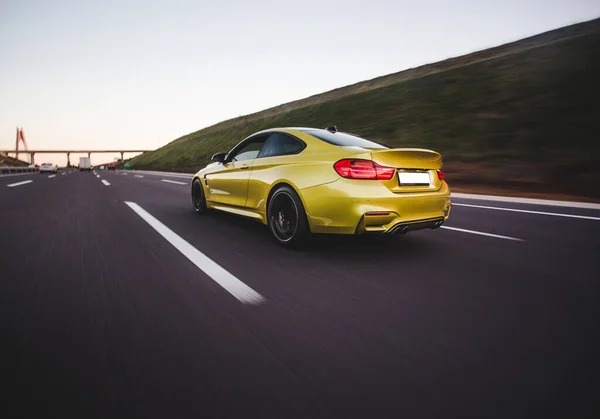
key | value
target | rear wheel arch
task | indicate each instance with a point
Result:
(279, 184)
(300, 235)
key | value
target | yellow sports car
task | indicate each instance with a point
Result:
(300, 181)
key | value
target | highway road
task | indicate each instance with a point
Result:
(117, 300)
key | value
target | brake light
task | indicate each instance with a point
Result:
(363, 169)
(440, 174)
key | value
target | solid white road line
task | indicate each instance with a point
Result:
(173, 181)
(51, 176)
(531, 201)
(12, 185)
(140, 176)
(105, 182)
(585, 217)
(234, 286)
(482, 234)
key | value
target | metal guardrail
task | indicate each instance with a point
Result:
(8, 170)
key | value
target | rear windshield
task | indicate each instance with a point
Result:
(342, 139)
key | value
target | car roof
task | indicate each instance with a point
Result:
(279, 129)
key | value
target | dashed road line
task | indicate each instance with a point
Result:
(51, 176)
(25, 182)
(233, 285)
(480, 233)
(555, 214)
(173, 181)
(140, 176)
(530, 201)
(105, 182)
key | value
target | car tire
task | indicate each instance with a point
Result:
(286, 218)
(198, 198)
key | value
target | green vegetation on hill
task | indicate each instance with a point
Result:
(9, 161)
(523, 116)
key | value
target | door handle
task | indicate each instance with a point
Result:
(244, 167)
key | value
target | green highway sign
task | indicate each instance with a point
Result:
(128, 165)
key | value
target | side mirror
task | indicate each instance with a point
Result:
(218, 157)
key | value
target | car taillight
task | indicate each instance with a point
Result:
(440, 174)
(363, 169)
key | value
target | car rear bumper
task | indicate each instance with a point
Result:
(349, 206)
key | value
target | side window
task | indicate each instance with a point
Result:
(250, 150)
(280, 145)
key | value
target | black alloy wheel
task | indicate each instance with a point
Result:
(198, 199)
(287, 218)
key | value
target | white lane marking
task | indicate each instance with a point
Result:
(12, 185)
(140, 176)
(585, 217)
(531, 201)
(105, 182)
(51, 176)
(173, 181)
(168, 174)
(124, 174)
(63, 173)
(483, 234)
(98, 176)
(233, 285)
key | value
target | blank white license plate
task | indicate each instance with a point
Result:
(414, 178)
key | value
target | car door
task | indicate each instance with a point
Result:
(279, 150)
(228, 184)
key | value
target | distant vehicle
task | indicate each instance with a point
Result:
(84, 164)
(300, 181)
(102, 167)
(48, 168)
(111, 166)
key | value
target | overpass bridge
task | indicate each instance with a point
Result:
(89, 152)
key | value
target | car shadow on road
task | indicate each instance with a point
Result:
(368, 247)
(343, 247)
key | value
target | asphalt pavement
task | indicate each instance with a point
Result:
(118, 300)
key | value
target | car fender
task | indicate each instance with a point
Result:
(298, 191)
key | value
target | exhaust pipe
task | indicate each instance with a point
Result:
(400, 229)
(438, 224)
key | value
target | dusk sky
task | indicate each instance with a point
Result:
(125, 74)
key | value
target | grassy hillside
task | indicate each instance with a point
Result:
(522, 117)
(9, 161)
